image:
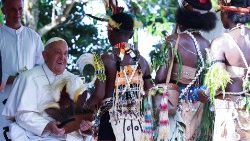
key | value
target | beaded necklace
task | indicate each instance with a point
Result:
(185, 90)
(128, 80)
(245, 79)
(240, 26)
(128, 87)
(125, 48)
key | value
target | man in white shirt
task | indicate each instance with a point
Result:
(21, 49)
(33, 90)
(0, 68)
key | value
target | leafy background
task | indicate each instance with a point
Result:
(67, 19)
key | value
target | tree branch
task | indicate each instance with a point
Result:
(55, 21)
(31, 13)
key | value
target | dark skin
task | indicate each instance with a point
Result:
(188, 53)
(224, 50)
(186, 49)
(106, 89)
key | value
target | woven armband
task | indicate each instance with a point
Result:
(99, 68)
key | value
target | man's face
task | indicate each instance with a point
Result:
(13, 11)
(224, 19)
(56, 56)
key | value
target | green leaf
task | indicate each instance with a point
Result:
(1, 17)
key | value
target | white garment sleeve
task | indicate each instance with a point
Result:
(39, 49)
(24, 98)
(5, 75)
(32, 122)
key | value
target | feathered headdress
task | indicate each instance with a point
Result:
(113, 5)
(115, 9)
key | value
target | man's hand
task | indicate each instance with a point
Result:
(85, 125)
(203, 97)
(11, 79)
(2, 86)
(53, 129)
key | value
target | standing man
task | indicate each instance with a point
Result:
(229, 76)
(122, 78)
(34, 91)
(0, 68)
(192, 17)
(21, 49)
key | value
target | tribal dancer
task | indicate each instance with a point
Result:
(228, 77)
(189, 65)
(121, 80)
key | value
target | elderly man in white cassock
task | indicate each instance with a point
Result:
(34, 91)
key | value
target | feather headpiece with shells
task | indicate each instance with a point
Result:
(113, 5)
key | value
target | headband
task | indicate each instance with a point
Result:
(240, 10)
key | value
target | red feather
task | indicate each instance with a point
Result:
(115, 8)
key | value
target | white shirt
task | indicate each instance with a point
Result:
(0, 68)
(20, 49)
(30, 92)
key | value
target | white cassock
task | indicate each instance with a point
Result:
(19, 49)
(31, 91)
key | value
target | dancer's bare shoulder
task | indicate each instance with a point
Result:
(219, 46)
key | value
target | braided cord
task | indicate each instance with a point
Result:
(184, 91)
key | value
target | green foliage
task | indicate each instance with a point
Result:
(63, 2)
(246, 84)
(45, 8)
(216, 79)
(248, 25)
(246, 87)
(162, 55)
(1, 17)
(159, 55)
(246, 100)
(214, 4)
(156, 15)
(81, 37)
(207, 124)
